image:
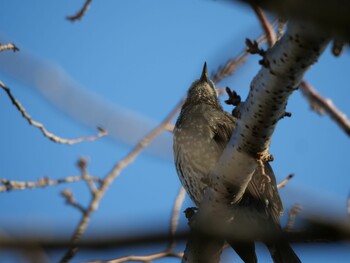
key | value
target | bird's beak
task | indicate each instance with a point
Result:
(204, 76)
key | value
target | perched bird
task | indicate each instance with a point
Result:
(201, 134)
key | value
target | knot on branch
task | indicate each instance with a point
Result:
(235, 100)
(253, 48)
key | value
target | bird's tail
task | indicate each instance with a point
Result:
(282, 252)
(245, 250)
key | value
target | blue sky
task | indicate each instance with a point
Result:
(136, 59)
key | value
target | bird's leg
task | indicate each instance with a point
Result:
(262, 159)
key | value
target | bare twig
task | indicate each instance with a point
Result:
(322, 105)
(82, 165)
(79, 15)
(8, 46)
(293, 212)
(146, 258)
(170, 127)
(175, 216)
(68, 195)
(176, 210)
(168, 252)
(42, 128)
(280, 27)
(253, 47)
(42, 182)
(285, 181)
(266, 25)
(116, 170)
(232, 64)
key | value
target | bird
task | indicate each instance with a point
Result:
(201, 133)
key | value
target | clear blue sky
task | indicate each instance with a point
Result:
(137, 59)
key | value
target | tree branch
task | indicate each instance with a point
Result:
(79, 15)
(42, 128)
(8, 46)
(113, 174)
(285, 64)
(168, 252)
(266, 26)
(232, 64)
(145, 258)
(8, 185)
(285, 181)
(322, 105)
(331, 16)
(68, 195)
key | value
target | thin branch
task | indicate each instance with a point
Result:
(280, 28)
(68, 195)
(42, 182)
(322, 105)
(42, 128)
(170, 127)
(82, 165)
(176, 210)
(146, 258)
(232, 64)
(293, 212)
(266, 25)
(79, 15)
(285, 181)
(9, 46)
(174, 221)
(168, 252)
(116, 170)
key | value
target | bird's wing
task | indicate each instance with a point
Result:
(269, 194)
(222, 128)
(269, 198)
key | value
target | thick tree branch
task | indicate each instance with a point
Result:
(282, 72)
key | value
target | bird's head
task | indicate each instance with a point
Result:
(203, 90)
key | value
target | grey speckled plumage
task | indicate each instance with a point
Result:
(201, 133)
